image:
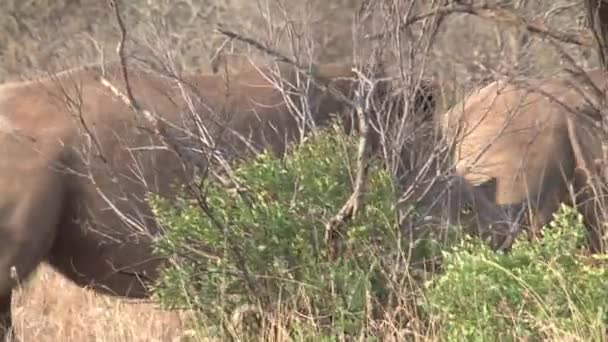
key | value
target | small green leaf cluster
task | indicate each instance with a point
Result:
(266, 246)
(541, 290)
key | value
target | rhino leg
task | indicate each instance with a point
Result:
(31, 201)
(26, 235)
(538, 217)
(596, 240)
(591, 204)
(6, 321)
(111, 268)
(541, 204)
(508, 220)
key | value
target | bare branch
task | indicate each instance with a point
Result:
(129, 100)
(597, 14)
(336, 225)
(280, 57)
(500, 13)
(310, 72)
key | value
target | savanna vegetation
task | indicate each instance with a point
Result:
(249, 255)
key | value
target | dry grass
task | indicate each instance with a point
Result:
(51, 308)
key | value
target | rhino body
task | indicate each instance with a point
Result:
(529, 148)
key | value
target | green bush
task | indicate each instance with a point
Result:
(268, 244)
(543, 290)
(262, 251)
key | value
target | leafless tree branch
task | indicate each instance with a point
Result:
(336, 225)
(500, 13)
(159, 130)
(322, 85)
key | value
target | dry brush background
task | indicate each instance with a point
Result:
(40, 36)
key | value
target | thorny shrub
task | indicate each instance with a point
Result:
(265, 249)
(268, 245)
(540, 290)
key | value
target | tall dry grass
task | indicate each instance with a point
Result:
(49, 308)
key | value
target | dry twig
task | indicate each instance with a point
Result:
(500, 13)
(129, 100)
(323, 85)
(336, 225)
